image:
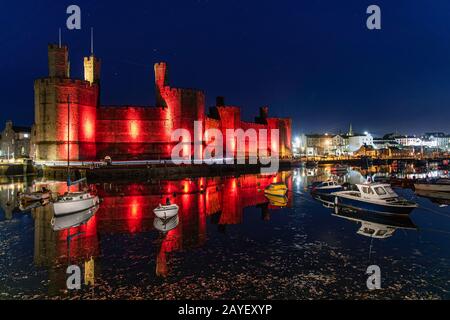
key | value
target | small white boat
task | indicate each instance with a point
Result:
(440, 185)
(166, 212)
(72, 220)
(74, 202)
(322, 191)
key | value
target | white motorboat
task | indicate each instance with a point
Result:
(72, 220)
(440, 185)
(74, 202)
(374, 197)
(166, 212)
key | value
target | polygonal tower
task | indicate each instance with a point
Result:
(58, 61)
(52, 115)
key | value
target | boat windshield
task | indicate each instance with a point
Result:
(389, 190)
(380, 191)
(367, 190)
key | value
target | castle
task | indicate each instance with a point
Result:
(125, 132)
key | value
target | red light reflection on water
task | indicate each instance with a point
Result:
(128, 208)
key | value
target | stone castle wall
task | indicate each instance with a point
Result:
(124, 132)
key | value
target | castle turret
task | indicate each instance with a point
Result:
(92, 67)
(58, 61)
(161, 74)
(51, 96)
(161, 80)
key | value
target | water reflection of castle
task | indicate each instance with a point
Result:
(128, 208)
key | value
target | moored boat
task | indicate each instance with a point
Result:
(26, 197)
(441, 185)
(74, 202)
(72, 220)
(328, 186)
(165, 225)
(322, 191)
(374, 197)
(276, 189)
(167, 211)
(27, 206)
(277, 201)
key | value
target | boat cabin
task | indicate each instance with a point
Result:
(376, 191)
(329, 183)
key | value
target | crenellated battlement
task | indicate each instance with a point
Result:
(161, 65)
(57, 46)
(91, 58)
(181, 92)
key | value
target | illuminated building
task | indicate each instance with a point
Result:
(126, 132)
(15, 141)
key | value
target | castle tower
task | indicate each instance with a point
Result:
(92, 67)
(58, 61)
(161, 81)
(51, 112)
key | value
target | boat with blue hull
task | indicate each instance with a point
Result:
(374, 197)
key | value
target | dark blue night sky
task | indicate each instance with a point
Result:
(314, 61)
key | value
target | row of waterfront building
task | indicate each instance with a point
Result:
(359, 144)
